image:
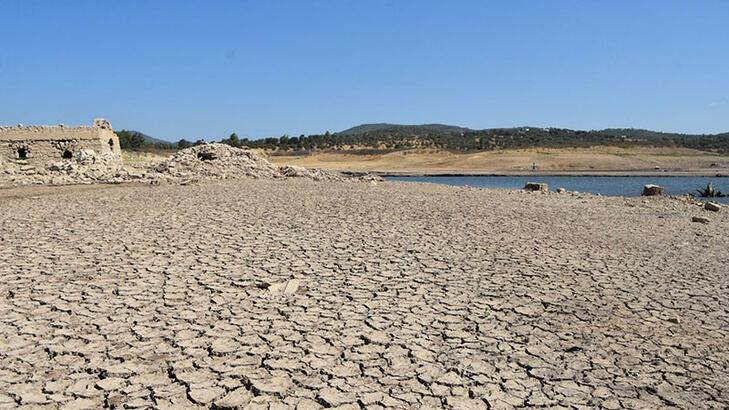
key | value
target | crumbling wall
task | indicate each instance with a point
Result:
(43, 145)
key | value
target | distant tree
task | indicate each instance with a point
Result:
(284, 141)
(233, 140)
(131, 140)
(199, 142)
(183, 143)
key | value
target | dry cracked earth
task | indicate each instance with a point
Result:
(298, 294)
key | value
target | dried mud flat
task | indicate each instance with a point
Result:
(301, 294)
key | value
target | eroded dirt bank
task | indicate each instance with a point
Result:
(299, 294)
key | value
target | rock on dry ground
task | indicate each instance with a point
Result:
(297, 294)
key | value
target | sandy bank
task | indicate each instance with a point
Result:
(592, 161)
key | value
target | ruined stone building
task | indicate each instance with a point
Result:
(43, 145)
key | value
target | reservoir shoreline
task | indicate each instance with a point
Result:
(673, 173)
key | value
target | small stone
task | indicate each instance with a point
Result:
(274, 288)
(207, 156)
(292, 286)
(536, 186)
(712, 206)
(700, 219)
(561, 190)
(652, 190)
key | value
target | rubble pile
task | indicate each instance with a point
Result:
(215, 161)
(221, 161)
(316, 174)
(201, 162)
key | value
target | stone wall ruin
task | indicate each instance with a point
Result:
(42, 146)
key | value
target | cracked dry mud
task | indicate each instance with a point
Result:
(297, 294)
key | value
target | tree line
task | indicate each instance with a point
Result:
(404, 137)
(137, 141)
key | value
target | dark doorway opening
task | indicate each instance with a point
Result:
(22, 153)
(111, 143)
(67, 154)
(206, 156)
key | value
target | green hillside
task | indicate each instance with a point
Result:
(388, 137)
(381, 137)
(422, 129)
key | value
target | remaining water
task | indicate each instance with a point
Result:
(604, 185)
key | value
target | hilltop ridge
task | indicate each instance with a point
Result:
(417, 129)
(386, 127)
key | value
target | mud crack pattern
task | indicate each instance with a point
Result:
(297, 294)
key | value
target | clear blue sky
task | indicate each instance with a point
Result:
(195, 69)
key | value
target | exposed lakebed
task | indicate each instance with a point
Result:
(292, 293)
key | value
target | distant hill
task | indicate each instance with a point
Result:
(442, 129)
(648, 134)
(401, 129)
(389, 137)
(384, 137)
(643, 134)
(147, 139)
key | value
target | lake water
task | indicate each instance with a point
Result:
(613, 186)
